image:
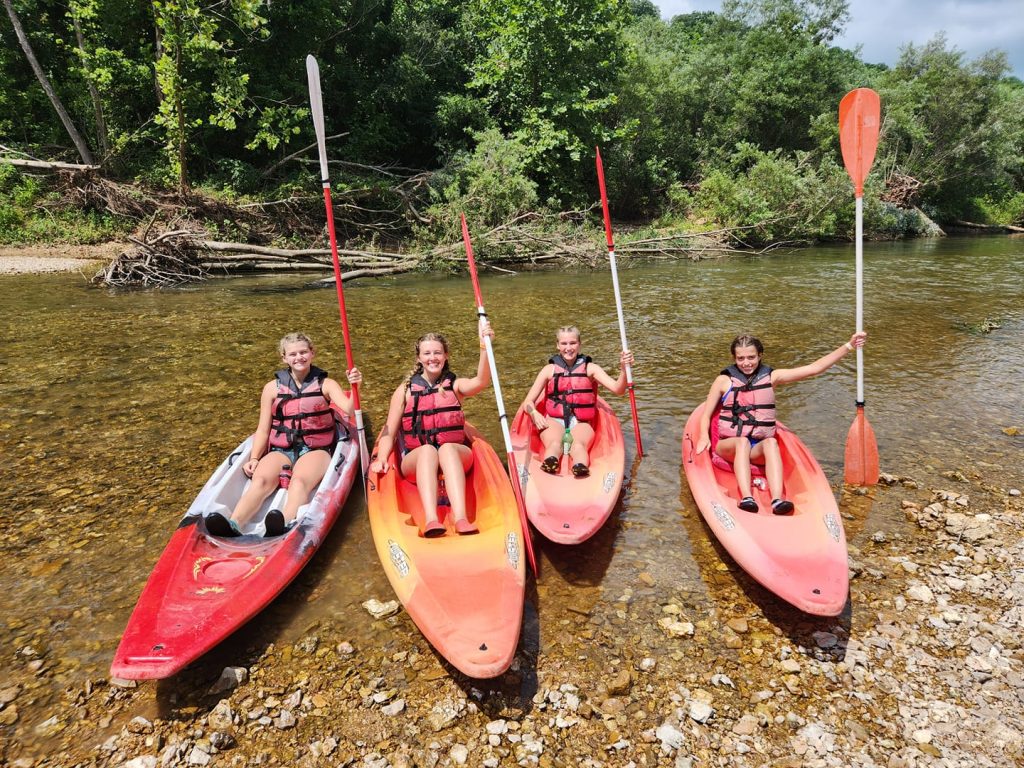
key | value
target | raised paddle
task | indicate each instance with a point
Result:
(859, 119)
(618, 298)
(513, 469)
(316, 106)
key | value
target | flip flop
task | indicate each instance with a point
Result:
(434, 529)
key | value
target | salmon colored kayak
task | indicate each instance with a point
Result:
(801, 557)
(563, 508)
(465, 593)
(203, 587)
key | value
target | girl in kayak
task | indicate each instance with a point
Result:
(296, 432)
(742, 402)
(426, 418)
(569, 385)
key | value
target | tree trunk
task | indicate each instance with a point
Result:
(94, 94)
(76, 137)
(180, 108)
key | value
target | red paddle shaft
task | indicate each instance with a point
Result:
(618, 298)
(513, 468)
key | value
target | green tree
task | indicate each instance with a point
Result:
(546, 71)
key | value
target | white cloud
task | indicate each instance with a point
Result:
(881, 29)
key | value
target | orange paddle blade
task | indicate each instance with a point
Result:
(859, 121)
(861, 452)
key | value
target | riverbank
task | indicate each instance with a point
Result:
(925, 668)
(56, 258)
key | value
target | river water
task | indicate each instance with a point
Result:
(117, 405)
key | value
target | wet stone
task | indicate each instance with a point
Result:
(380, 610)
(143, 761)
(139, 725)
(230, 678)
(738, 625)
(700, 711)
(394, 708)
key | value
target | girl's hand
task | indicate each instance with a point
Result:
(379, 465)
(859, 339)
(249, 467)
(354, 376)
(703, 444)
(485, 330)
(626, 358)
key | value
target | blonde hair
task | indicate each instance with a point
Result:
(418, 368)
(569, 329)
(294, 338)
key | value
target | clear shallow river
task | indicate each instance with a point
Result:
(117, 405)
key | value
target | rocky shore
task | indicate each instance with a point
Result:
(926, 668)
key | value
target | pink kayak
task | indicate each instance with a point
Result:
(203, 587)
(563, 508)
(801, 557)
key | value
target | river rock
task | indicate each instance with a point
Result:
(445, 713)
(921, 593)
(674, 628)
(825, 639)
(230, 678)
(285, 720)
(394, 708)
(221, 717)
(139, 725)
(459, 754)
(700, 711)
(671, 738)
(143, 761)
(380, 610)
(621, 683)
(198, 757)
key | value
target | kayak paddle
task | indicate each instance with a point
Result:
(859, 122)
(316, 106)
(513, 469)
(618, 298)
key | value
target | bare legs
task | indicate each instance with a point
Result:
(307, 472)
(582, 437)
(738, 451)
(422, 465)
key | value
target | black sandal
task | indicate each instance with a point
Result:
(218, 525)
(274, 523)
(747, 504)
(782, 507)
(550, 465)
(580, 470)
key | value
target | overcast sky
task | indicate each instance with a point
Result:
(881, 28)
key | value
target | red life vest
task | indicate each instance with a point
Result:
(570, 392)
(301, 416)
(433, 414)
(748, 408)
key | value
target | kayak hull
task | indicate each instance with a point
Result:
(464, 593)
(802, 557)
(566, 509)
(203, 587)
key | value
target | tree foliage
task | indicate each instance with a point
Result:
(498, 104)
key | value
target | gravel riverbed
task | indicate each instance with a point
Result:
(923, 669)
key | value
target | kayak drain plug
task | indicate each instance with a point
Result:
(816, 591)
(483, 646)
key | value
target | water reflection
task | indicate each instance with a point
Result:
(118, 405)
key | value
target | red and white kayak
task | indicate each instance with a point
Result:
(465, 593)
(203, 587)
(563, 508)
(802, 557)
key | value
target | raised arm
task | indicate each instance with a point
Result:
(615, 386)
(822, 364)
(475, 385)
(335, 394)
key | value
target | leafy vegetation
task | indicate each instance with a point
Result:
(493, 107)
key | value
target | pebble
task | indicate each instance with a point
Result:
(394, 708)
(143, 761)
(198, 757)
(825, 639)
(380, 610)
(700, 711)
(921, 593)
(671, 738)
(459, 754)
(230, 678)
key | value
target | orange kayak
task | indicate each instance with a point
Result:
(802, 557)
(563, 508)
(465, 593)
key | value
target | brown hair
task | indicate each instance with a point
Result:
(746, 340)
